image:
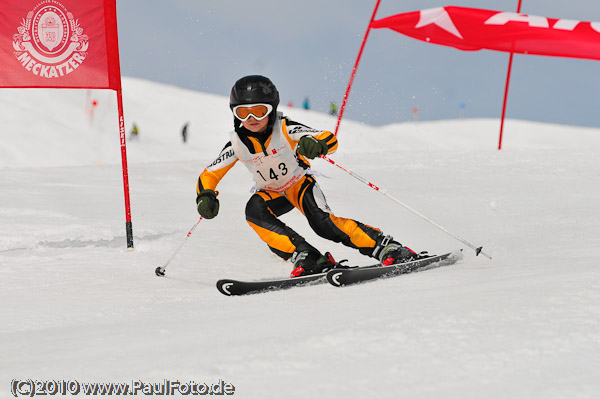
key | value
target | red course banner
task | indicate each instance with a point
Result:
(476, 29)
(59, 43)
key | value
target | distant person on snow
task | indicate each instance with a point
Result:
(134, 134)
(276, 150)
(333, 108)
(184, 132)
(306, 103)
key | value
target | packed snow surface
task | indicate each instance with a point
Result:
(77, 306)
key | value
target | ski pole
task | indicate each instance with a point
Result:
(478, 250)
(160, 271)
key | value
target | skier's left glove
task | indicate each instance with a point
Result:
(312, 147)
(208, 204)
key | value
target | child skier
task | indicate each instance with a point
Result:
(276, 150)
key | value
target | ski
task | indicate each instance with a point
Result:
(235, 287)
(342, 277)
(337, 277)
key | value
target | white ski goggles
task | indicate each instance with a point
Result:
(258, 111)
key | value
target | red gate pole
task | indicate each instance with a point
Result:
(510, 60)
(128, 224)
(362, 46)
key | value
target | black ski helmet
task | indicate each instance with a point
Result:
(254, 89)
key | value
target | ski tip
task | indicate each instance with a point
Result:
(224, 287)
(456, 255)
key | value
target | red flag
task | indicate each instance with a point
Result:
(59, 43)
(64, 44)
(476, 29)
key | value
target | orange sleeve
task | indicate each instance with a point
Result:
(209, 180)
(330, 139)
(212, 175)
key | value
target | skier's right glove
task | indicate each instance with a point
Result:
(208, 204)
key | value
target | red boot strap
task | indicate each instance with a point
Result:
(388, 261)
(297, 272)
(411, 251)
(330, 257)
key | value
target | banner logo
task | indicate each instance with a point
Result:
(50, 42)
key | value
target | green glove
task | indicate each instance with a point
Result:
(208, 204)
(311, 147)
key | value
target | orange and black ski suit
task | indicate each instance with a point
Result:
(284, 182)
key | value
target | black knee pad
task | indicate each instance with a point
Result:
(255, 207)
(322, 225)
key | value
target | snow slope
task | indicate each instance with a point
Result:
(78, 306)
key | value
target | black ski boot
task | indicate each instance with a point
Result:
(390, 252)
(310, 261)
